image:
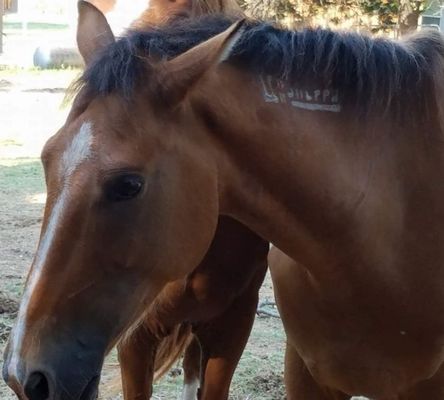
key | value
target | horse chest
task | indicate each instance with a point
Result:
(359, 342)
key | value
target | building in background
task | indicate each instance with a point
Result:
(33, 30)
(433, 15)
(6, 7)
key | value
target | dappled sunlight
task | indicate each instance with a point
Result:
(31, 111)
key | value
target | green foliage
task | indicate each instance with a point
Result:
(387, 12)
(371, 15)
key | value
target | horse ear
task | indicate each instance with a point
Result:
(178, 75)
(93, 31)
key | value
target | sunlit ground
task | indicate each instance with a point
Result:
(38, 198)
(31, 110)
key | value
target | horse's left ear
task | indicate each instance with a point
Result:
(93, 31)
(178, 75)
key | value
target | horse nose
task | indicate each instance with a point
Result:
(36, 386)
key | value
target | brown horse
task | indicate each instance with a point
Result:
(303, 312)
(329, 145)
(216, 302)
(340, 332)
(161, 11)
(218, 299)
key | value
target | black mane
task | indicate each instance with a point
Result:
(367, 72)
(123, 63)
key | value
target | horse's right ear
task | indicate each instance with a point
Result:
(178, 75)
(93, 31)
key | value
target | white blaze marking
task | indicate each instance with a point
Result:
(78, 150)
(190, 390)
(20, 326)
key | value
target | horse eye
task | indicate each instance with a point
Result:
(124, 187)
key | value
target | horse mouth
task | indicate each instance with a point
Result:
(91, 390)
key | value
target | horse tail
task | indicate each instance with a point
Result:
(171, 348)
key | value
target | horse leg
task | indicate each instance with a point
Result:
(299, 383)
(136, 357)
(191, 368)
(222, 341)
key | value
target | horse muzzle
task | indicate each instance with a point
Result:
(70, 374)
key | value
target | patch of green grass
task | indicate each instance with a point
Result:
(169, 387)
(260, 370)
(36, 25)
(13, 288)
(21, 176)
(10, 142)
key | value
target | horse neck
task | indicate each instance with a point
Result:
(318, 184)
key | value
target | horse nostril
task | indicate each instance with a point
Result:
(37, 387)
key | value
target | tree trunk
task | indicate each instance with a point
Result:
(409, 16)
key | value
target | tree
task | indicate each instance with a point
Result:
(372, 15)
(409, 14)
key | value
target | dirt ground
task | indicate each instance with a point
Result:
(29, 113)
